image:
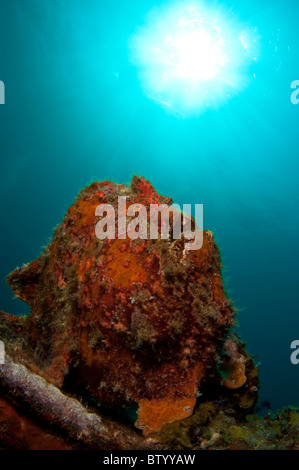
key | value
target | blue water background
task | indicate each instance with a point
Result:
(75, 112)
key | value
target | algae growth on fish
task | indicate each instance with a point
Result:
(129, 324)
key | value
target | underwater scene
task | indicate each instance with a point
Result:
(149, 252)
